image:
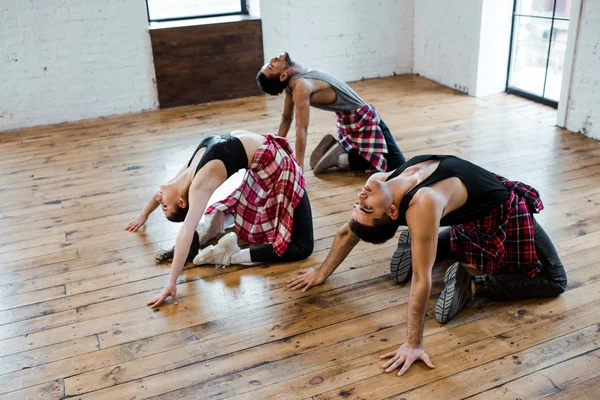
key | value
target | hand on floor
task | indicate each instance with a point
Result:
(170, 291)
(307, 279)
(405, 355)
(136, 223)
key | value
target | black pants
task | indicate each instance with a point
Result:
(394, 156)
(551, 282)
(301, 243)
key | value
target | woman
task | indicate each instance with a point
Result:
(491, 228)
(270, 207)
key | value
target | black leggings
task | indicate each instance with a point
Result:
(551, 282)
(301, 243)
(394, 156)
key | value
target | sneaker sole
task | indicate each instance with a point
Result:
(401, 263)
(443, 307)
(319, 151)
(330, 159)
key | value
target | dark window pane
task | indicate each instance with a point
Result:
(173, 9)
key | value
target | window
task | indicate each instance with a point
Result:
(539, 42)
(170, 10)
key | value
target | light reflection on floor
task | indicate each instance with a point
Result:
(220, 296)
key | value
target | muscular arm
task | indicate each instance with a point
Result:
(424, 222)
(288, 114)
(302, 108)
(343, 243)
(423, 219)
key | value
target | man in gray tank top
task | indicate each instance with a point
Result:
(363, 140)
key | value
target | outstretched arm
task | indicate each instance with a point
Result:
(343, 243)
(423, 219)
(149, 209)
(288, 114)
(182, 247)
(143, 216)
(209, 178)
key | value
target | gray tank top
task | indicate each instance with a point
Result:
(346, 99)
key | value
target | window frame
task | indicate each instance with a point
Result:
(520, 92)
(243, 6)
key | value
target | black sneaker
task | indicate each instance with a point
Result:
(455, 295)
(401, 264)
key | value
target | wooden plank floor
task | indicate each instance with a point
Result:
(73, 284)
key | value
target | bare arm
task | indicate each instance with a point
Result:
(302, 108)
(343, 243)
(149, 209)
(424, 224)
(209, 179)
(151, 206)
(288, 114)
(143, 216)
(423, 218)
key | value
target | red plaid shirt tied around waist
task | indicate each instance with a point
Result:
(503, 241)
(359, 129)
(264, 203)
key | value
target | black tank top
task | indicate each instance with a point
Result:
(485, 191)
(227, 148)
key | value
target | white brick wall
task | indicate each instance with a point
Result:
(583, 107)
(65, 60)
(351, 39)
(446, 40)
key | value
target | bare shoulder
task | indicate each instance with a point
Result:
(426, 205)
(427, 198)
(424, 213)
(301, 87)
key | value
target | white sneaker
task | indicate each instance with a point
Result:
(219, 255)
(210, 227)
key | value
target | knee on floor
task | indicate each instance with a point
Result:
(304, 251)
(559, 287)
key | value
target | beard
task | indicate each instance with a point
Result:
(288, 60)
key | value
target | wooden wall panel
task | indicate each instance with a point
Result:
(209, 62)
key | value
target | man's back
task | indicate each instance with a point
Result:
(346, 98)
